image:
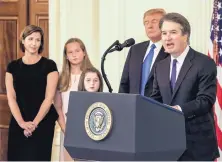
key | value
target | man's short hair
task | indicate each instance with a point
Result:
(154, 11)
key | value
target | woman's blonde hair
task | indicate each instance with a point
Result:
(65, 77)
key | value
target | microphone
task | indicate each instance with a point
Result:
(118, 47)
(127, 43)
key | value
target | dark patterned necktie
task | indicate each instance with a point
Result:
(173, 74)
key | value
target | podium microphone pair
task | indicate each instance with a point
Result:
(119, 46)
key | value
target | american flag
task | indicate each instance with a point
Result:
(215, 52)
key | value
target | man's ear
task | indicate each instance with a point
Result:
(185, 38)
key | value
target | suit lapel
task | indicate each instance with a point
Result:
(184, 69)
(166, 75)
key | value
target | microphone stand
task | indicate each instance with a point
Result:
(102, 65)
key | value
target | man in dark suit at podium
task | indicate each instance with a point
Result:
(187, 82)
(137, 76)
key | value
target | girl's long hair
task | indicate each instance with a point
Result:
(65, 77)
(81, 86)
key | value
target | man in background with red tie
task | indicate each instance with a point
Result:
(137, 76)
(187, 82)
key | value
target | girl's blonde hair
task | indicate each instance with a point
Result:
(65, 77)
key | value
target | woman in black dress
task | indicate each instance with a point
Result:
(31, 83)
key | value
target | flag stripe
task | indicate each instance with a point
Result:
(218, 132)
(219, 96)
(215, 52)
(217, 113)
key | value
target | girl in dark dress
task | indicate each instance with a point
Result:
(31, 83)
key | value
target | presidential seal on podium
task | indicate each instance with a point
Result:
(98, 121)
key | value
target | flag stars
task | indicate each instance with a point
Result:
(220, 52)
(218, 17)
(219, 5)
(220, 41)
(217, 28)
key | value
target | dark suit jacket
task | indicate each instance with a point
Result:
(131, 76)
(195, 93)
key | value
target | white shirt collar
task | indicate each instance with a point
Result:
(181, 58)
(157, 44)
